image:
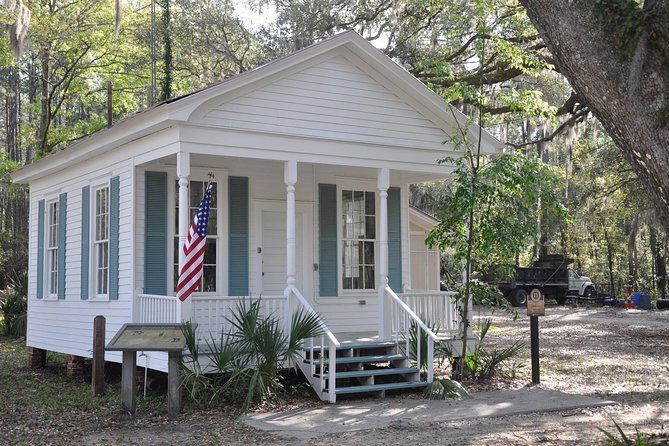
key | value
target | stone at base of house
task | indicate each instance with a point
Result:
(75, 366)
(36, 358)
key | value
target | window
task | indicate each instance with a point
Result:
(101, 242)
(196, 191)
(52, 250)
(358, 239)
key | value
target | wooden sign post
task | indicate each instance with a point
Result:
(132, 338)
(535, 308)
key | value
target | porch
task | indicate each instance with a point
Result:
(343, 362)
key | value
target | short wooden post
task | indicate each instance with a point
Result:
(173, 384)
(128, 382)
(98, 379)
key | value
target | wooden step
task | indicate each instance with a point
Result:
(371, 372)
(357, 345)
(379, 387)
(360, 359)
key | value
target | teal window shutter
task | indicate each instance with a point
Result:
(327, 224)
(40, 249)
(114, 216)
(394, 240)
(62, 234)
(238, 246)
(155, 233)
(85, 240)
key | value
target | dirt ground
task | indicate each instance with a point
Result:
(611, 353)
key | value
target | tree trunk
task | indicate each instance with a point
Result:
(632, 254)
(45, 104)
(609, 258)
(617, 62)
(12, 123)
(658, 263)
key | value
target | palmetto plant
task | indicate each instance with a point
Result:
(247, 361)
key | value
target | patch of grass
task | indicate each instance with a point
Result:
(46, 389)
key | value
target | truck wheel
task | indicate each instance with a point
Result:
(519, 298)
(561, 300)
(590, 292)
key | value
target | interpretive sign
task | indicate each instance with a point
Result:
(150, 337)
(132, 338)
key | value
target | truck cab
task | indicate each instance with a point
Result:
(581, 286)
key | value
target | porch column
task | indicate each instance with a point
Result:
(183, 172)
(290, 178)
(383, 181)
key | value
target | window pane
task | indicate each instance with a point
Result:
(209, 278)
(369, 277)
(214, 196)
(210, 252)
(369, 253)
(370, 207)
(370, 227)
(196, 192)
(213, 220)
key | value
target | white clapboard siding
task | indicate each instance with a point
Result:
(333, 99)
(66, 325)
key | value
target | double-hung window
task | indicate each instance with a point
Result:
(358, 239)
(196, 190)
(101, 242)
(52, 249)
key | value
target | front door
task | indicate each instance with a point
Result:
(271, 249)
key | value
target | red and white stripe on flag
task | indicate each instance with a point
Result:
(190, 275)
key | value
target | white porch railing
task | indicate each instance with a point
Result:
(331, 354)
(436, 309)
(211, 313)
(402, 319)
(154, 309)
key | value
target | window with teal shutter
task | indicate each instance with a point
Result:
(155, 233)
(327, 224)
(40, 249)
(62, 234)
(238, 247)
(85, 239)
(114, 220)
(394, 240)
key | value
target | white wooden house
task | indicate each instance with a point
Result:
(312, 155)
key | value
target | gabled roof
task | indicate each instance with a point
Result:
(187, 107)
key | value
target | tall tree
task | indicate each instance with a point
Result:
(615, 55)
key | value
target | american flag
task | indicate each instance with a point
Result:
(190, 275)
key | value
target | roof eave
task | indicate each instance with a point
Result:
(127, 130)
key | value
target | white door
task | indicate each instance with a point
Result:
(271, 250)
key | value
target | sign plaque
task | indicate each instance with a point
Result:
(535, 303)
(132, 338)
(150, 337)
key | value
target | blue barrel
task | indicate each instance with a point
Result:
(636, 299)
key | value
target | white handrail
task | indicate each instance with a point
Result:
(411, 314)
(332, 347)
(431, 337)
(326, 331)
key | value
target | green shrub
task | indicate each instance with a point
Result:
(13, 306)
